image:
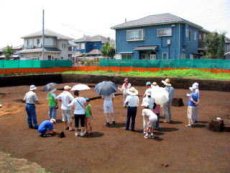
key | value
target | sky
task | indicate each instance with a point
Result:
(75, 18)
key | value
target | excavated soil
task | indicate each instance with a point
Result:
(114, 150)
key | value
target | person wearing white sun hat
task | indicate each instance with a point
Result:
(31, 99)
(131, 102)
(66, 98)
(167, 105)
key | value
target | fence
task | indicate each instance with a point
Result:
(9, 64)
(178, 63)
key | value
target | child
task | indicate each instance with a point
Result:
(89, 116)
(52, 102)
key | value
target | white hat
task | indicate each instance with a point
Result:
(166, 82)
(195, 85)
(52, 120)
(67, 87)
(33, 87)
(154, 84)
(132, 91)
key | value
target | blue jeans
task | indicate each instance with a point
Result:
(52, 112)
(31, 115)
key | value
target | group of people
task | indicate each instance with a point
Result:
(82, 111)
(81, 106)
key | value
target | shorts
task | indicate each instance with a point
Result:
(108, 107)
(66, 116)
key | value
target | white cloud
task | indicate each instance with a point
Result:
(75, 18)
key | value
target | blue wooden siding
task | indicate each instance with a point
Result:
(180, 44)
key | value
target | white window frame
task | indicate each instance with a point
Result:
(164, 32)
(132, 31)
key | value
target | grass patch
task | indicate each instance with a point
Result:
(177, 73)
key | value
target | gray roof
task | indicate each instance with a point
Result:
(48, 33)
(36, 50)
(95, 38)
(159, 19)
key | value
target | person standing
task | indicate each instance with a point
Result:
(52, 102)
(124, 88)
(31, 99)
(157, 109)
(195, 85)
(167, 105)
(193, 101)
(65, 98)
(79, 104)
(108, 110)
(131, 102)
(89, 116)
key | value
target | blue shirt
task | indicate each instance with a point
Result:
(194, 96)
(45, 126)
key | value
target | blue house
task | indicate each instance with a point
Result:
(89, 45)
(163, 36)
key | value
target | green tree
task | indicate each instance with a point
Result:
(215, 45)
(108, 50)
(8, 52)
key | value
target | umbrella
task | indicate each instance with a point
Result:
(80, 87)
(50, 86)
(160, 95)
(105, 88)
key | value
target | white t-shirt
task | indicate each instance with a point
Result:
(79, 105)
(132, 101)
(150, 114)
(65, 97)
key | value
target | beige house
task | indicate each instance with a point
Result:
(56, 46)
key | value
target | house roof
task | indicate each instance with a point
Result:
(48, 33)
(95, 38)
(94, 52)
(159, 19)
(36, 50)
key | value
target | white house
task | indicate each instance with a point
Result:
(56, 46)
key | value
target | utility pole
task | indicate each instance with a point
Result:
(43, 33)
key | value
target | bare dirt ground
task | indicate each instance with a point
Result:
(114, 150)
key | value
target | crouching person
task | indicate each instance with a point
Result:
(46, 128)
(150, 119)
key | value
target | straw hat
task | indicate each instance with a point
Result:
(67, 87)
(33, 87)
(195, 85)
(132, 91)
(166, 82)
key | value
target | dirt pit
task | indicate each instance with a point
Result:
(114, 150)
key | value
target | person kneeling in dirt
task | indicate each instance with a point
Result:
(149, 118)
(46, 128)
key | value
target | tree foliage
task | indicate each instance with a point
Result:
(215, 45)
(108, 50)
(8, 52)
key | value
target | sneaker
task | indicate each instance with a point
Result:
(82, 134)
(107, 124)
(189, 125)
(146, 136)
(114, 123)
(76, 134)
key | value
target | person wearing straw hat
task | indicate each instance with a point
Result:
(66, 98)
(31, 99)
(46, 128)
(167, 105)
(132, 102)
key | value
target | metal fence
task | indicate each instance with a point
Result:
(5, 64)
(178, 63)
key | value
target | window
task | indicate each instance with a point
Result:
(38, 42)
(126, 55)
(135, 35)
(165, 55)
(164, 32)
(82, 46)
(195, 35)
